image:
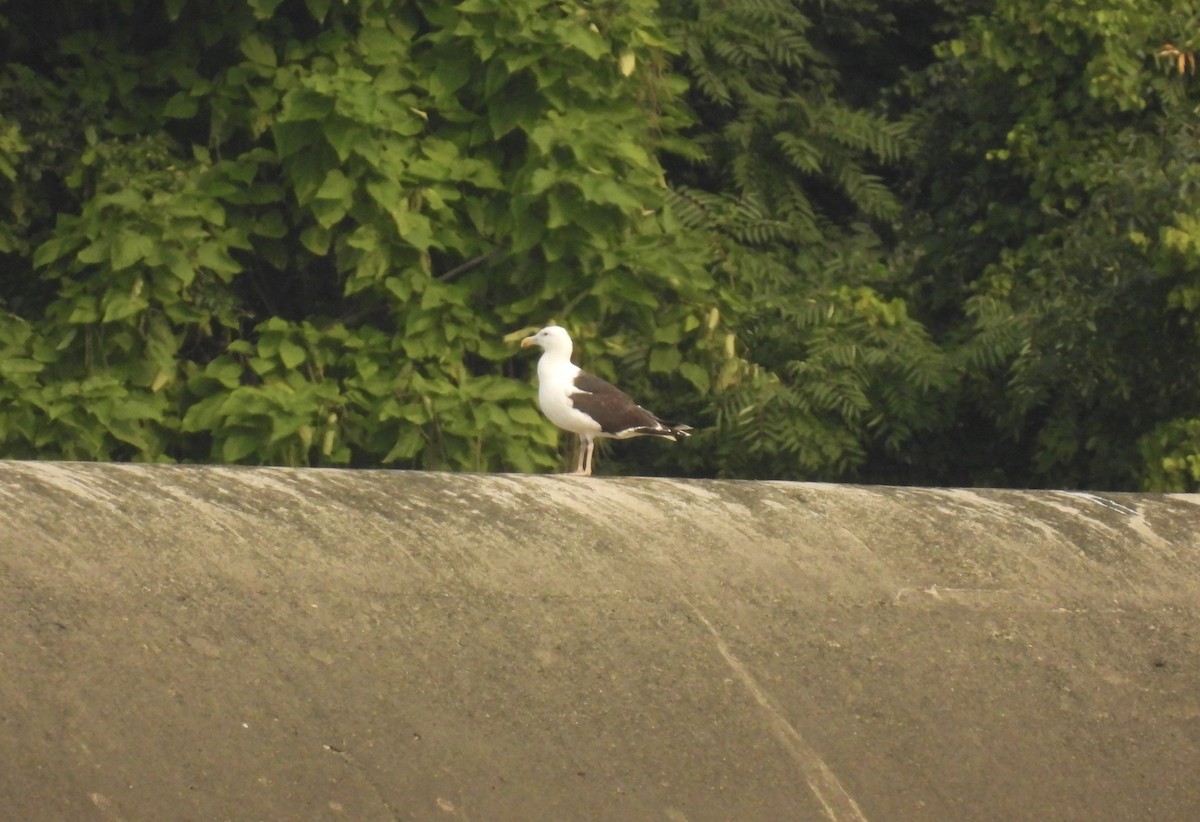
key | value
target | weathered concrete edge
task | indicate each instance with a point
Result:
(734, 557)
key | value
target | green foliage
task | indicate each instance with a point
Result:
(774, 125)
(857, 375)
(830, 367)
(1171, 455)
(959, 250)
(1066, 191)
(299, 233)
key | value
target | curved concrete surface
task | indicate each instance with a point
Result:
(185, 643)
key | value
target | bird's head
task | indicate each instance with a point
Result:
(550, 338)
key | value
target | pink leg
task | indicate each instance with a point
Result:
(583, 466)
(580, 453)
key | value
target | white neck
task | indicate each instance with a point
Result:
(553, 359)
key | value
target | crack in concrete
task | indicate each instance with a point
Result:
(358, 770)
(838, 804)
(106, 807)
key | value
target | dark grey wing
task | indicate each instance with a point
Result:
(611, 407)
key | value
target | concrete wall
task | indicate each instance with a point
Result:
(184, 643)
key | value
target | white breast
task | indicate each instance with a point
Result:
(555, 385)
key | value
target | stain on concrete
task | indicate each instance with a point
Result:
(259, 643)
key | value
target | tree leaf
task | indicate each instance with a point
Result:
(290, 354)
(119, 306)
(128, 248)
(409, 442)
(238, 445)
(337, 186)
(316, 239)
(255, 47)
